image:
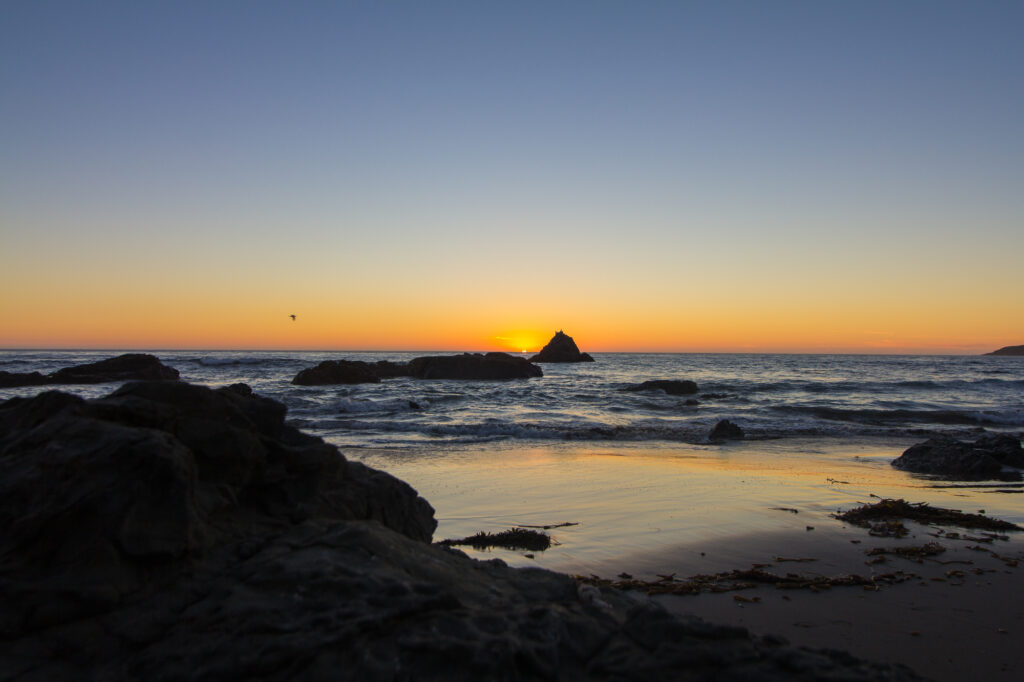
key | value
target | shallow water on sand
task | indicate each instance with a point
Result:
(632, 503)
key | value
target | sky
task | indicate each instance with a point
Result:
(725, 176)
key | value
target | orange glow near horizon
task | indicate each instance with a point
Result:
(160, 308)
(140, 325)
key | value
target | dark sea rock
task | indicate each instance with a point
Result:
(18, 379)
(984, 458)
(725, 430)
(492, 366)
(385, 369)
(127, 367)
(174, 532)
(467, 366)
(1008, 350)
(670, 386)
(561, 348)
(337, 372)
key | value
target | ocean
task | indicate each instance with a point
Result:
(635, 470)
(769, 396)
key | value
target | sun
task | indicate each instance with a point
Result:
(523, 341)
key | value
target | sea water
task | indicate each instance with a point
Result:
(769, 396)
(635, 470)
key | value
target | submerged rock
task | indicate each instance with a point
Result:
(725, 430)
(670, 386)
(1008, 350)
(171, 532)
(561, 348)
(127, 367)
(984, 458)
(337, 372)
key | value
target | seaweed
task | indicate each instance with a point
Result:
(731, 581)
(879, 516)
(549, 526)
(916, 553)
(513, 538)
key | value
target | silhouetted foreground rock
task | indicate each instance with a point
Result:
(173, 532)
(469, 366)
(984, 458)
(670, 386)
(94, 495)
(725, 430)
(1008, 350)
(561, 348)
(127, 367)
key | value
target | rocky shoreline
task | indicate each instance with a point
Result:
(170, 531)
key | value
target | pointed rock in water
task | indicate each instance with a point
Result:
(1008, 350)
(561, 348)
(725, 430)
(944, 456)
(127, 367)
(670, 386)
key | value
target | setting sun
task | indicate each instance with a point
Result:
(522, 341)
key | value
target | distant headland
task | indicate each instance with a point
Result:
(1008, 350)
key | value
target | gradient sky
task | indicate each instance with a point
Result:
(692, 176)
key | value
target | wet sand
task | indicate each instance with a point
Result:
(688, 510)
(960, 617)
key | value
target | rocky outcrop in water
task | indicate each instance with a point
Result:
(19, 379)
(669, 386)
(127, 367)
(561, 348)
(1008, 350)
(984, 458)
(491, 366)
(337, 372)
(172, 532)
(467, 366)
(725, 430)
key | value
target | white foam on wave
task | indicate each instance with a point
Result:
(675, 431)
(364, 405)
(220, 362)
(1008, 417)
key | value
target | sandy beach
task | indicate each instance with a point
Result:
(958, 617)
(650, 513)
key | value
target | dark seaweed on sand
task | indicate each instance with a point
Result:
(513, 538)
(869, 515)
(732, 581)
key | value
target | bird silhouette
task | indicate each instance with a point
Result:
(293, 317)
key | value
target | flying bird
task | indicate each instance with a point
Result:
(293, 317)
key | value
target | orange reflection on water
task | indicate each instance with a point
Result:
(632, 501)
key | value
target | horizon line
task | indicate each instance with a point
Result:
(69, 349)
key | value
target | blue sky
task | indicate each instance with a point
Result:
(423, 145)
